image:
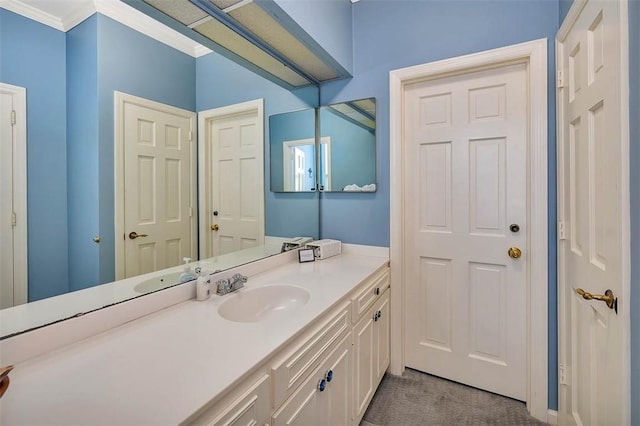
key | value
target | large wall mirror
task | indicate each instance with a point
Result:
(73, 81)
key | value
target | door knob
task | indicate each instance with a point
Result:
(215, 227)
(607, 297)
(514, 252)
(133, 235)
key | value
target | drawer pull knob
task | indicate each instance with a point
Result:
(379, 314)
(329, 375)
(322, 385)
(375, 316)
(377, 291)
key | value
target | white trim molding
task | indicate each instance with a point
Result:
(116, 10)
(20, 263)
(534, 54)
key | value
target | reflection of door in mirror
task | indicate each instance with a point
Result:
(298, 165)
(13, 220)
(232, 170)
(158, 166)
(325, 163)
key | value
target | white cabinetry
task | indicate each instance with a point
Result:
(324, 398)
(371, 353)
(325, 376)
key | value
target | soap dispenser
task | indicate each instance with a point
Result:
(187, 275)
(203, 285)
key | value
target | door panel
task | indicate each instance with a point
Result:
(235, 171)
(592, 199)
(157, 182)
(466, 183)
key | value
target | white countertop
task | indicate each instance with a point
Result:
(162, 368)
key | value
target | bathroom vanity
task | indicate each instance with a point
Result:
(315, 360)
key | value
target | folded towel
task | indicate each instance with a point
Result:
(352, 188)
(369, 188)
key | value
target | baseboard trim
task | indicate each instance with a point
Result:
(552, 417)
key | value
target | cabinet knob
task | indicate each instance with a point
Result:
(322, 384)
(329, 375)
(379, 314)
(377, 291)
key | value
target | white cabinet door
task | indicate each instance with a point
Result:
(371, 336)
(329, 404)
(382, 337)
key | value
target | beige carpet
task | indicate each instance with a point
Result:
(416, 398)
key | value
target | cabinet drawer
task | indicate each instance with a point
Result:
(363, 300)
(252, 406)
(293, 368)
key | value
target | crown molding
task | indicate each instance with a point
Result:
(32, 13)
(118, 11)
(78, 15)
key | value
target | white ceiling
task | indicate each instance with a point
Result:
(60, 9)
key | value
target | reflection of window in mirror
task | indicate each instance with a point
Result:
(298, 160)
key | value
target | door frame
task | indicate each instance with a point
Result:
(120, 99)
(20, 259)
(534, 54)
(257, 106)
(624, 298)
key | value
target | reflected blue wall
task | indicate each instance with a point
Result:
(82, 153)
(290, 126)
(32, 55)
(416, 32)
(136, 64)
(217, 79)
(353, 150)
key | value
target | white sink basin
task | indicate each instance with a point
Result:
(157, 283)
(258, 304)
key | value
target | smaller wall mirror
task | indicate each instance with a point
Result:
(292, 149)
(347, 147)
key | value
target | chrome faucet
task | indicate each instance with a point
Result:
(228, 285)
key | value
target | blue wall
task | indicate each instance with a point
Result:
(353, 149)
(634, 120)
(82, 153)
(218, 79)
(32, 55)
(417, 32)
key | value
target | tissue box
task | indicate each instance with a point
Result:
(323, 249)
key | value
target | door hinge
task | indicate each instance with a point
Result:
(560, 79)
(563, 377)
(190, 211)
(562, 232)
(13, 117)
(14, 219)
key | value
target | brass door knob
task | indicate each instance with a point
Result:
(215, 227)
(607, 297)
(133, 235)
(514, 252)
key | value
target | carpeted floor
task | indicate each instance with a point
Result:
(416, 398)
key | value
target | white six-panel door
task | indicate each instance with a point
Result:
(466, 182)
(232, 178)
(594, 250)
(13, 196)
(159, 176)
